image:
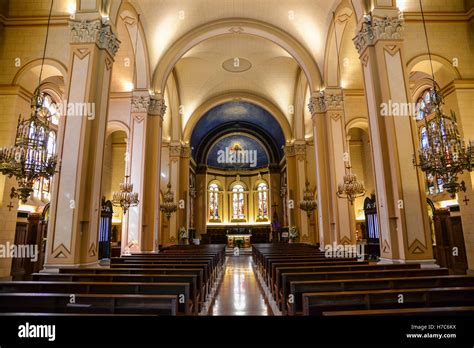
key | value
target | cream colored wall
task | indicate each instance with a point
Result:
(447, 39)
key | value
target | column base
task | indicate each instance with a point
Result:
(427, 263)
(470, 272)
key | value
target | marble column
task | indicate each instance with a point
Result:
(152, 173)
(401, 202)
(75, 217)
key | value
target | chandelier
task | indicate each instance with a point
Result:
(168, 206)
(28, 159)
(126, 198)
(308, 204)
(351, 188)
(446, 155)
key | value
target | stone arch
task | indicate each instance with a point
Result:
(241, 96)
(52, 67)
(447, 68)
(128, 14)
(359, 122)
(235, 26)
(345, 18)
(115, 126)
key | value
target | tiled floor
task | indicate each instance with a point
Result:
(239, 293)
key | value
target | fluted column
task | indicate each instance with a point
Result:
(74, 224)
(401, 204)
(152, 173)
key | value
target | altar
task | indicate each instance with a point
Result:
(231, 238)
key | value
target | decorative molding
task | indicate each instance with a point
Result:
(236, 30)
(345, 241)
(140, 104)
(92, 250)
(157, 106)
(61, 252)
(417, 247)
(97, 32)
(375, 29)
(289, 150)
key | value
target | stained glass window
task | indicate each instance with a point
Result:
(238, 202)
(213, 202)
(262, 190)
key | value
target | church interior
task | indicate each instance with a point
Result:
(236, 157)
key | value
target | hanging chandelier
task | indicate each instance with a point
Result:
(126, 198)
(168, 206)
(351, 188)
(28, 159)
(308, 203)
(446, 156)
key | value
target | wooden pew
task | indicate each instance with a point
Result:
(317, 303)
(337, 268)
(287, 278)
(191, 279)
(271, 274)
(164, 269)
(286, 274)
(89, 303)
(178, 289)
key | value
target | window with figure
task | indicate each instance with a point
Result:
(238, 202)
(425, 124)
(262, 191)
(214, 202)
(42, 187)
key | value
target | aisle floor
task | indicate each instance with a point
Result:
(239, 292)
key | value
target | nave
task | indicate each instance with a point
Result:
(279, 278)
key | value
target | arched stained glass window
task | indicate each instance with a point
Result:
(213, 202)
(424, 116)
(262, 190)
(238, 202)
(42, 188)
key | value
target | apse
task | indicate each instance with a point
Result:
(251, 126)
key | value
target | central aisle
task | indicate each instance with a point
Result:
(239, 292)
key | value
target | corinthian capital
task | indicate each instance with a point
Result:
(94, 31)
(140, 104)
(317, 104)
(325, 101)
(374, 29)
(157, 106)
